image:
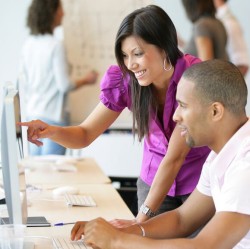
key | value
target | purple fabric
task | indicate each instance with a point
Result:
(115, 95)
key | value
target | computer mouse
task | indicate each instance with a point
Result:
(60, 191)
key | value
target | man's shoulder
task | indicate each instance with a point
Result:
(244, 147)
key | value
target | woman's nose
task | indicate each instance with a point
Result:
(132, 64)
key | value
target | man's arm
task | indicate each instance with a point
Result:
(196, 211)
(183, 221)
(222, 231)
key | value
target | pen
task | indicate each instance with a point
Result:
(63, 223)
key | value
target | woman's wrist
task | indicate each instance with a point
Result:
(147, 211)
(141, 217)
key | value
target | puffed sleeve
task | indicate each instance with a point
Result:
(115, 90)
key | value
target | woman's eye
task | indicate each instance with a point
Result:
(139, 54)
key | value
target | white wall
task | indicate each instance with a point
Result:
(12, 36)
(12, 33)
(117, 154)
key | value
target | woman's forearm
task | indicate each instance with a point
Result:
(73, 137)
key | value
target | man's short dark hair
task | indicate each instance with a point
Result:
(219, 81)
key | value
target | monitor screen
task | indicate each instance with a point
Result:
(11, 154)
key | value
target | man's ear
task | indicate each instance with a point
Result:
(217, 110)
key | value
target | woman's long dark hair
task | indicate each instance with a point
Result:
(153, 25)
(41, 16)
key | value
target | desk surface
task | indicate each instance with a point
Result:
(109, 206)
(90, 180)
(87, 172)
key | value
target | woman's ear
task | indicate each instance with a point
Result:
(164, 54)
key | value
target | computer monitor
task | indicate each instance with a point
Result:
(11, 155)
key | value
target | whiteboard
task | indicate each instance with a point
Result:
(89, 33)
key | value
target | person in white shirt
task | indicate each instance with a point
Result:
(44, 71)
(212, 97)
(236, 44)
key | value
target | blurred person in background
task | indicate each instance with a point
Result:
(236, 44)
(45, 74)
(209, 37)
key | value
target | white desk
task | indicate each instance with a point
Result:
(109, 205)
(87, 172)
(90, 180)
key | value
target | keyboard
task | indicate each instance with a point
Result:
(79, 200)
(66, 243)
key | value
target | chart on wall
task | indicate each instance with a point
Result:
(89, 29)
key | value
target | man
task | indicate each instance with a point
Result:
(236, 45)
(212, 96)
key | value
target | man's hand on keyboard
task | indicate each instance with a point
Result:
(97, 233)
(78, 230)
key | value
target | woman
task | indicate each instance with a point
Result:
(209, 38)
(150, 67)
(45, 71)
